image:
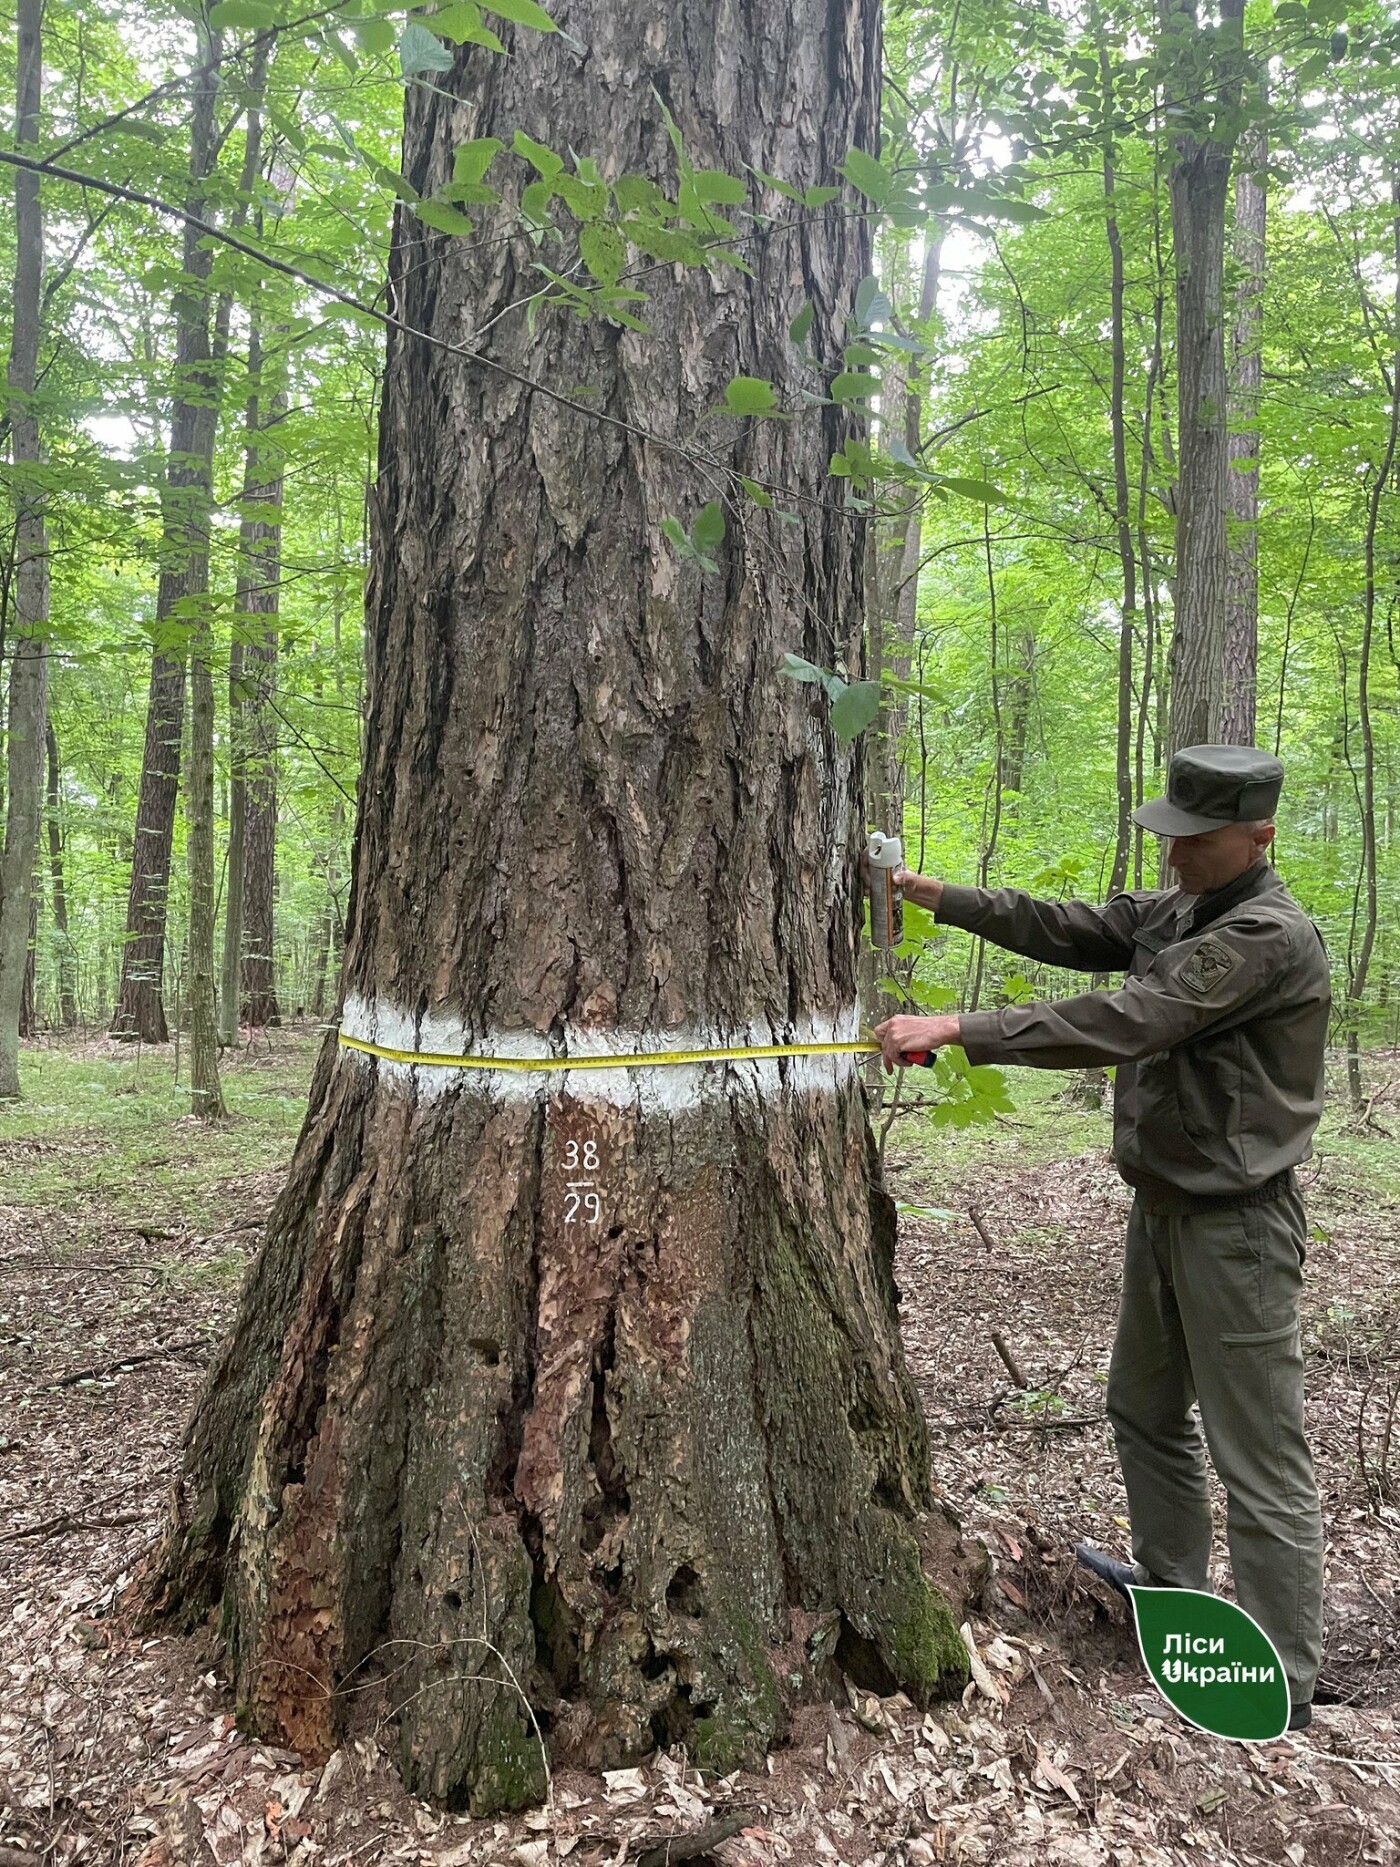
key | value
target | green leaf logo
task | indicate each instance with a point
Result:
(1212, 1662)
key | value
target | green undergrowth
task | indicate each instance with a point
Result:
(108, 1140)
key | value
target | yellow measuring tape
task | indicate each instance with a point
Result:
(622, 1061)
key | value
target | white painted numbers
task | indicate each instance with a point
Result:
(582, 1202)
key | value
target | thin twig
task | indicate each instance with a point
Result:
(123, 1363)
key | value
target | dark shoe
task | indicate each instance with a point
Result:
(1300, 1717)
(1119, 1575)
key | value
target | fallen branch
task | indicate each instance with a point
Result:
(689, 1847)
(70, 1521)
(981, 1229)
(1008, 1360)
(123, 1363)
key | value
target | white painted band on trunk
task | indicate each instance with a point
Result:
(659, 1086)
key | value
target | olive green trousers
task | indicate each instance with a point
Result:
(1209, 1313)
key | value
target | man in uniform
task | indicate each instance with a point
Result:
(1218, 1034)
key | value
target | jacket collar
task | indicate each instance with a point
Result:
(1259, 878)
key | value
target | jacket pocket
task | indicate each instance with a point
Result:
(1265, 1338)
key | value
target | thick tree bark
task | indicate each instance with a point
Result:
(491, 1434)
(1237, 724)
(67, 959)
(1200, 181)
(27, 644)
(184, 577)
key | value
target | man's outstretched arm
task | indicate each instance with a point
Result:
(1193, 984)
(1075, 934)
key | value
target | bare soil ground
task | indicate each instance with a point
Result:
(123, 1233)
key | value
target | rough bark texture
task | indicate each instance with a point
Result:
(466, 1435)
(1242, 481)
(67, 958)
(28, 648)
(184, 575)
(1200, 182)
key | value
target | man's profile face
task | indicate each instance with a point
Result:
(1216, 857)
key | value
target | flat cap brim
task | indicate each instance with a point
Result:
(1165, 819)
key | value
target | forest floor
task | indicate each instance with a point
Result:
(124, 1230)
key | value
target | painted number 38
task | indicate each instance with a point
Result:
(581, 1203)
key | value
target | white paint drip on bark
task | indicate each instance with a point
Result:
(649, 1087)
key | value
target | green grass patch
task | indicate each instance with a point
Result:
(113, 1137)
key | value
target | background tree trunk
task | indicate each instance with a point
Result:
(478, 1426)
(259, 975)
(1360, 951)
(256, 598)
(28, 647)
(184, 575)
(1237, 723)
(67, 968)
(1199, 185)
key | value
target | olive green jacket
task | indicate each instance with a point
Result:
(1218, 1031)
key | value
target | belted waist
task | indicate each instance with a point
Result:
(1158, 1196)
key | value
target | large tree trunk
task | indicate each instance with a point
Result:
(1204, 87)
(1242, 481)
(67, 967)
(28, 640)
(571, 1387)
(184, 579)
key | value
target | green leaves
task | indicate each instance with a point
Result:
(855, 708)
(446, 219)
(854, 704)
(1212, 1662)
(419, 51)
(522, 13)
(750, 395)
(705, 537)
(250, 13)
(801, 324)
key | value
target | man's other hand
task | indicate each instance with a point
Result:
(902, 1036)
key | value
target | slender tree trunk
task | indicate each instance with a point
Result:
(1122, 513)
(259, 993)
(184, 580)
(67, 970)
(29, 999)
(905, 609)
(1380, 482)
(1237, 724)
(28, 715)
(1199, 185)
(255, 601)
(237, 820)
(569, 1389)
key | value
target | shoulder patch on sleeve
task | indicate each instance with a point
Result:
(1212, 962)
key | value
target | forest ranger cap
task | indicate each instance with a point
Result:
(1210, 786)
